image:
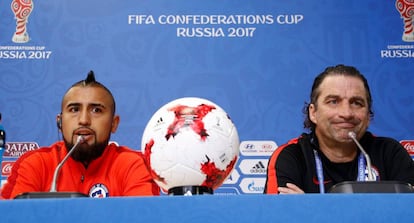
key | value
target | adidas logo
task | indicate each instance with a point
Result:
(160, 120)
(258, 168)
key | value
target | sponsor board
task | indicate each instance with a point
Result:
(233, 178)
(252, 185)
(409, 146)
(16, 149)
(216, 25)
(253, 166)
(257, 148)
(227, 191)
(6, 167)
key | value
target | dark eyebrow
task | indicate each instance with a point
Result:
(97, 105)
(90, 104)
(331, 96)
(358, 98)
(337, 96)
(73, 104)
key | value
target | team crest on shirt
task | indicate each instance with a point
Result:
(98, 191)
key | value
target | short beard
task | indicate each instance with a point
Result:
(85, 153)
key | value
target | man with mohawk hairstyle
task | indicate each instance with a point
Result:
(96, 167)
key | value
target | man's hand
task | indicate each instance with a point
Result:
(290, 189)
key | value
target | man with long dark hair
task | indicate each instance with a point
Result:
(340, 105)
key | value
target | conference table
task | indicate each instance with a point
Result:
(214, 208)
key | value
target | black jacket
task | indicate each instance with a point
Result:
(294, 162)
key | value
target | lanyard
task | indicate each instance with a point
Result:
(319, 170)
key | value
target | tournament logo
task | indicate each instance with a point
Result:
(20, 50)
(406, 10)
(98, 191)
(397, 51)
(21, 10)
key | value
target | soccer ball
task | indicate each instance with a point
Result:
(190, 142)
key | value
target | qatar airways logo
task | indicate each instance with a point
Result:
(16, 149)
(21, 10)
(408, 145)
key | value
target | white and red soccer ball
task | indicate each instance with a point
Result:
(190, 142)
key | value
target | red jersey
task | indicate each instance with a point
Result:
(119, 171)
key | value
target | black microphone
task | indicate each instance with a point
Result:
(55, 174)
(53, 193)
(371, 177)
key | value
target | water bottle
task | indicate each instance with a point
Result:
(2, 145)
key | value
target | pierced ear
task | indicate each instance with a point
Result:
(59, 121)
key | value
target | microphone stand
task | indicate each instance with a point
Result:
(371, 185)
(371, 177)
(53, 192)
(55, 174)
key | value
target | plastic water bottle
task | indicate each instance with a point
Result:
(2, 145)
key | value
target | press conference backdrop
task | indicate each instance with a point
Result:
(255, 58)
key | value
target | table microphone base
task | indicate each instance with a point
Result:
(371, 187)
(31, 195)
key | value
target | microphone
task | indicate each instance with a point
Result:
(55, 174)
(370, 185)
(371, 177)
(53, 193)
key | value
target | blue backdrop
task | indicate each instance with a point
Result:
(256, 59)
